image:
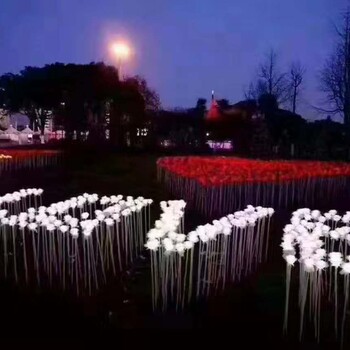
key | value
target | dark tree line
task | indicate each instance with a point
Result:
(80, 98)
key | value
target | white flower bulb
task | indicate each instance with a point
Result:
(203, 237)
(290, 259)
(334, 235)
(172, 235)
(67, 219)
(152, 244)
(5, 221)
(193, 237)
(116, 217)
(74, 222)
(74, 232)
(32, 226)
(211, 234)
(64, 228)
(109, 222)
(309, 264)
(3, 213)
(180, 238)
(345, 268)
(321, 264)
(188, 245)
(52, 219)
(22, 224)
(227, 231)
(85, 215)
(50, 227)
(152, 234)
(335, 259)
(158, 224)
(57, 223)
(100, 217)
(169, 247)
(179, 247)
(87, 232)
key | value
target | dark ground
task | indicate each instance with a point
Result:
(250, 314)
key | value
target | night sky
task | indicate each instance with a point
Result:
(184, 48)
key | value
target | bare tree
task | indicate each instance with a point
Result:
(255, 90)
(270, 80)
(250, 92)
(295, 77)
(335, 76)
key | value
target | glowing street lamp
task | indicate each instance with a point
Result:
(121, 51)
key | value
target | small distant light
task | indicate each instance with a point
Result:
(63, 103)
(207, 134)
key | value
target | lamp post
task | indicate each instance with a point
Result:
(121, 52)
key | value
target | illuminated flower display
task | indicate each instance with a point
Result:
(103, 234)
(206, 259)
(317, 245)
(23, 159)
(219, 184)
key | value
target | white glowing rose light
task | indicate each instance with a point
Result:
(290, 259)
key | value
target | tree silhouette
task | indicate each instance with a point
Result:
(34, 92)
(201, 104)
(131, 108)
(295, 77)
(269, 80)
(81, 98)
(223, 103)
(268, 104)
(335, 76)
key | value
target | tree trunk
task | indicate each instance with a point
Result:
(116, 132)
(43, 119)
(294, 99)
(95, 126)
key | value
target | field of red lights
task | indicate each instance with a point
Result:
(219, 184)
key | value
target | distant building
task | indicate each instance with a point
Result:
(17, 120)
(20, 121)
(230, 126)
(222, 112)
(178, 128)
(11, 126)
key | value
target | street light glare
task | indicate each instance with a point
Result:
(121, 50)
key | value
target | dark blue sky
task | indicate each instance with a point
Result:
(184, 48)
